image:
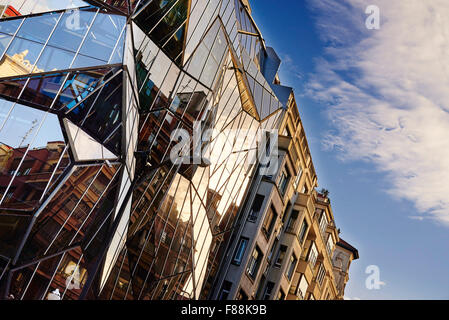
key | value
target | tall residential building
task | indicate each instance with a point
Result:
(286, 245)
(103, 193)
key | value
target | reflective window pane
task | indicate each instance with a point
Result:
(20, 57)
(54, 59)
(25, 7)
(38, 28)
(103, 36)
(71, 29)
(9, 26)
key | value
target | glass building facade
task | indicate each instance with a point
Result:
(91, 207)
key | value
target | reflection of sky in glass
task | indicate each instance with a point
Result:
(103, 43)
(23, 123)
(28, 7)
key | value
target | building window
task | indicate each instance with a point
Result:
(273, 247)
(254, 263)
(268, 290)
(298, 178)
(281, 295)
(291, 267)
(280, 256)
(286, 211)
(323, 223)
(302, 287)
(240, 251)
(260, 287)
(321, 274)
(313, 255)
(241, 295)
(291, 224)
(255, 208)
(303, 231)
(330, 245)
(225, 290)
(305, 189)
(283, 181)
(269, 222)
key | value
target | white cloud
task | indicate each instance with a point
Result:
(387, 92)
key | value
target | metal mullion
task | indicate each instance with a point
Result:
(192, 249)
(1, 57)
(117, 42)
(121, 193)
(29, 282)
(226, 138)
(152, 223)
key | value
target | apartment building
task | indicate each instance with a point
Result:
(287, 243)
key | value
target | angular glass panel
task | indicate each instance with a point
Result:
(174, 47)
(117, 56)
(12, 230)
(80, 202)
(71, 29)
(12, 87)
(100, 114)
(25, 7)
(38, 28)
(32, 157)
(82, 61)
(4, 41)
(78, 86)
(163, 20)
(20, 57)
(103, 36)
(41, 90)
(9, 26)
(53, 59)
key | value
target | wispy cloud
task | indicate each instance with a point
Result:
(387, 93)
(290, 67)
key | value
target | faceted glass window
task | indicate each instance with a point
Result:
(33, 154)
(70, 32)
(38, 28)
(164, 21)
(103, 37)
(25, 7)
(9, 26)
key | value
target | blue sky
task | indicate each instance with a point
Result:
(374, 106)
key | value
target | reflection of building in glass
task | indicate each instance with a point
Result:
(91, 206)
